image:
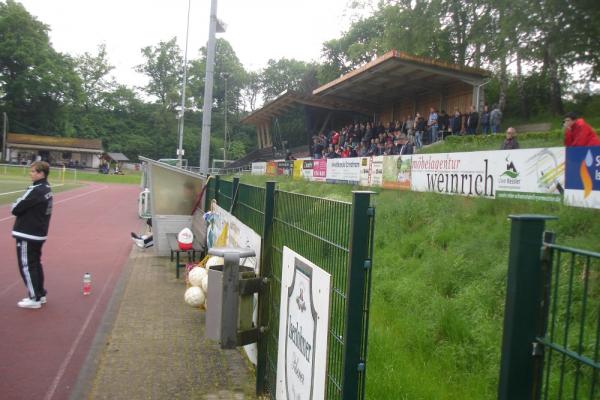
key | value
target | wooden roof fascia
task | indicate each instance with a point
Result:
(468, 75)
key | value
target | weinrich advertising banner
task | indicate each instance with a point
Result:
(303, 325)
(582, 177)
(533, 174)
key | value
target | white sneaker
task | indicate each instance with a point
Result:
(29, 303)
(42, 299)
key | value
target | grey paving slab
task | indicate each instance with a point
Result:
(156, 347)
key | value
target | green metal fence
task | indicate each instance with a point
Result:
(338, 237)
(570, 334)
(551, 338)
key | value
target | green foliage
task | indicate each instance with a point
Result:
(164, 67)
(37, 84)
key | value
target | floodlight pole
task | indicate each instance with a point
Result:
(184, 83)
(208, 89)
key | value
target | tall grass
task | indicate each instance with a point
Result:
(439, 285)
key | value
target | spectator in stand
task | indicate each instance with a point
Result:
(362, 149)
(485, 120)
(404, 147)
(335, 138)
(472, 121)
(369, 132)
(456, 122)
(443, 122)
(432, 124)
(495, 119)
(410, 126)
(510, 143)
(578, 132)
(419, 129)
(346, 151)
(317, 148)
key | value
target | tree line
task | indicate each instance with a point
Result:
(537, 50)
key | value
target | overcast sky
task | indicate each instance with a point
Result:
(257, 29)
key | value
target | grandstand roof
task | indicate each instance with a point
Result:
(54, 142)
(393, 76)
(288, 99)
(396, 75)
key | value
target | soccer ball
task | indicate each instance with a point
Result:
(195, 276)
(214, 260)
(194, 296)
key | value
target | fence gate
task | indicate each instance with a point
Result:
(336, 236)
(554, 353)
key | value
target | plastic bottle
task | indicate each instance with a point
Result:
(87, 284)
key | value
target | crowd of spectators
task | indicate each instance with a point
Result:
(404, 136)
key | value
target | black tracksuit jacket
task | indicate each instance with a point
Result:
(33, 211)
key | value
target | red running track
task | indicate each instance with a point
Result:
(42, 351)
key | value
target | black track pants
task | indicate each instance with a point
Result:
(29, 254)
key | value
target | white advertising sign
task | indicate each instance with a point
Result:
(343, 170)
(303, 326)
(259, 168)
(527, 173)
(238, 235)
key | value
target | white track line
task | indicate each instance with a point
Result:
(64, 200)
(21, 191)
(67, 360)
(6, 289)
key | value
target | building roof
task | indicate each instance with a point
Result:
(117, 156)
(397, 75)
(53, 142)
(393, 76)
(289, 99)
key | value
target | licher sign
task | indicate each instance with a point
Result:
(303, 325)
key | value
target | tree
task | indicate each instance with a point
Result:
(285, 74)
(164, 67)
(37, 84)
(93, 71)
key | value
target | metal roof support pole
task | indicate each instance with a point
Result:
(208, 89)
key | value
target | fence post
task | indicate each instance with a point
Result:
(523, 295)
(359, 253)
(264, 297)
(234, 193)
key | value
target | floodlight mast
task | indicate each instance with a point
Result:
(208, 89)
(184, 84)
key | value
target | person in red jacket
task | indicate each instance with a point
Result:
(578, 132)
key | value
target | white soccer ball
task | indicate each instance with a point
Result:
(214, 260)
(195, 276)
(204, 283)
(194, 296)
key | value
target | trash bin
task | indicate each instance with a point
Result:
(230, 298)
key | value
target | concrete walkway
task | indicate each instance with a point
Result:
(151, 344)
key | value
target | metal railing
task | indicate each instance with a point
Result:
(570, 334)
(551, 338)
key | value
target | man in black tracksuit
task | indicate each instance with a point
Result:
(33, 211)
